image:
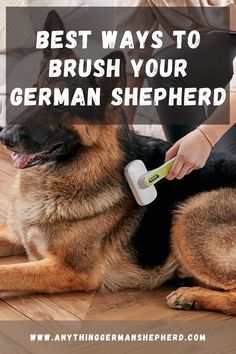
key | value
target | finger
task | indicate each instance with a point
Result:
(189, 171)
(195, 168)
(172, 152)
(184, 171)
(176, 168)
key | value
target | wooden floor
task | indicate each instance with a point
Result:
(125, 305)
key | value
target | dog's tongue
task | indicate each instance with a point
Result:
(20, 161)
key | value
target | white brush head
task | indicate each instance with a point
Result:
(133, 173)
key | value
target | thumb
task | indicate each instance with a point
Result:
(172, 152)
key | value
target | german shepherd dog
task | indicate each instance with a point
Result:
(73, 213)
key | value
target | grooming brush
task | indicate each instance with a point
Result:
(141, 181)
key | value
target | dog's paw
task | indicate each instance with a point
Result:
(181, 299)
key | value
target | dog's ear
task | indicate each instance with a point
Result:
(53, 23)
(107, 84)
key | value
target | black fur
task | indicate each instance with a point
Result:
(45, 126)
(151, 242)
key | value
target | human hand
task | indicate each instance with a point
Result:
(191, 151)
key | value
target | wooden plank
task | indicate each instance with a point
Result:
(7, 173)
(4, 153)
(77, 303)
(6, 178)
(8, 346)
(40, 308)
(9, 313)
(128, 305)
(136, 305)
(17, 327)
(6, 166)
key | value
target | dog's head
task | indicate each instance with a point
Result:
(42, 134)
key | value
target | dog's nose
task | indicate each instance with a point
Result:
(12, 135)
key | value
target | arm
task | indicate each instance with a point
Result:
(132, 18)
(216, 131)
(193, 150)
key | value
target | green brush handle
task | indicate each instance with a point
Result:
(157, 174)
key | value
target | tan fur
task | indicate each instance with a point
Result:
(75, 226)
(9, 247)
(120, 273)
(200, 298)
(82, 236)
(204, 242)
(74, 230)
(81, 241)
